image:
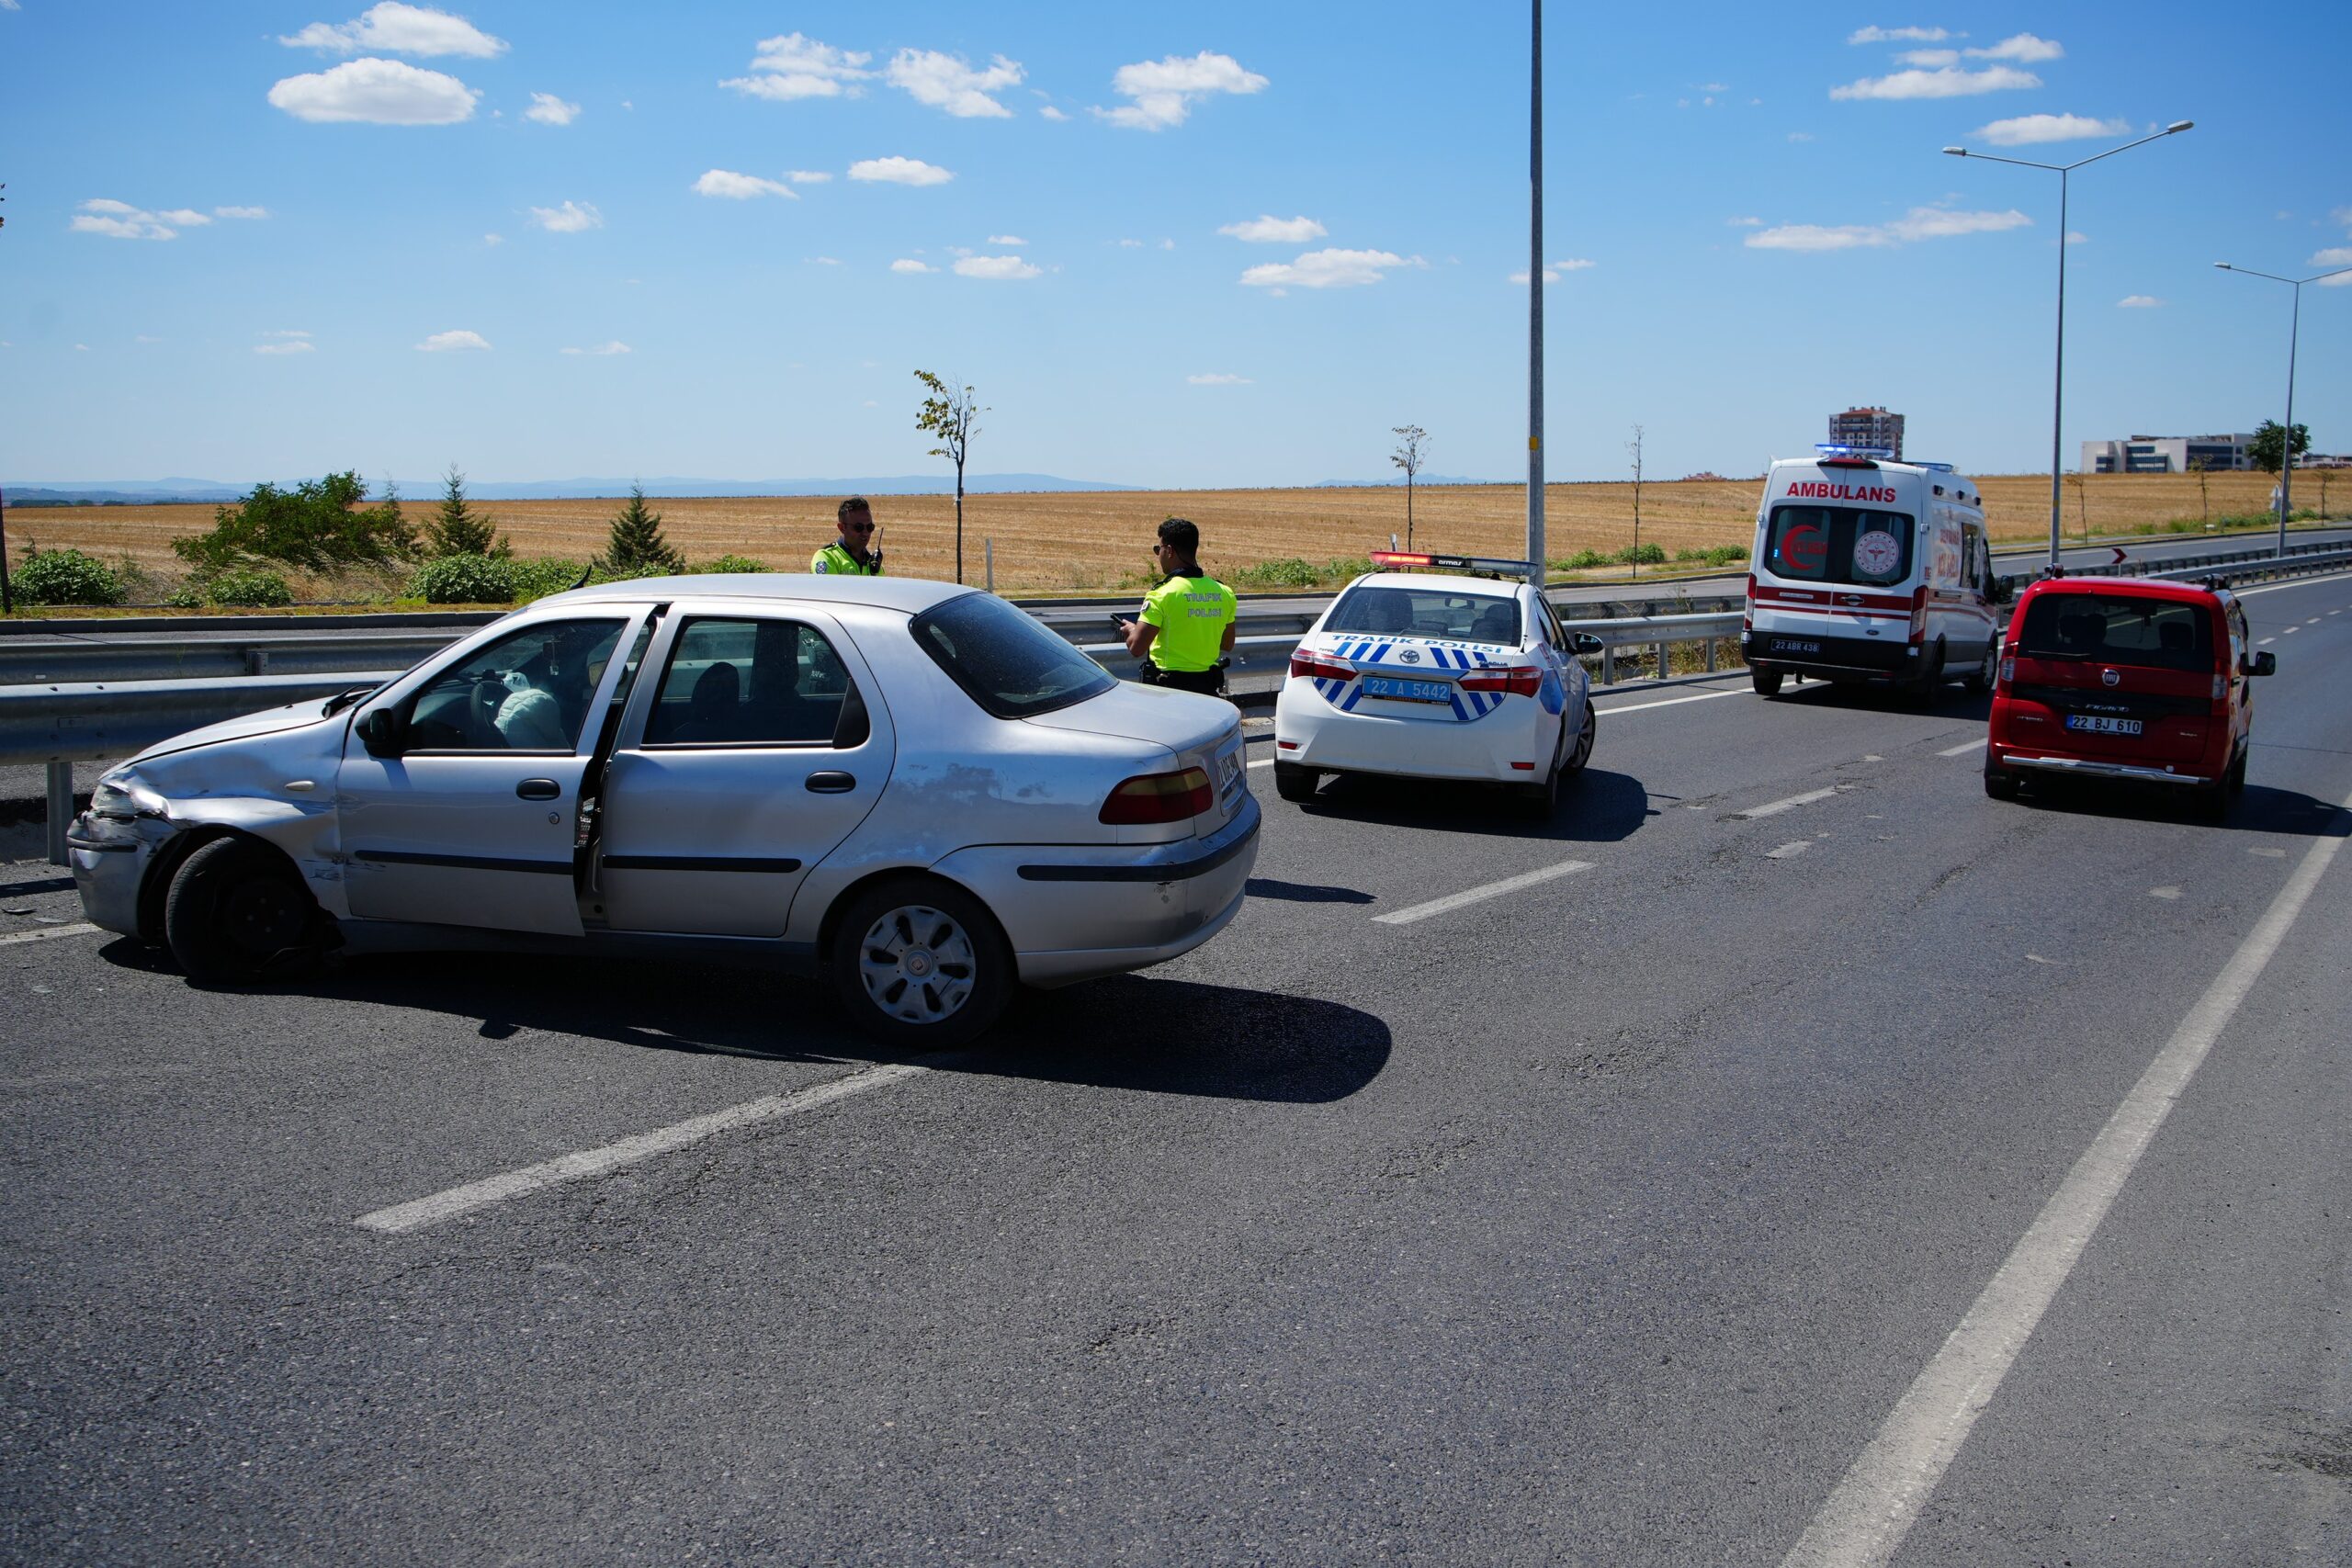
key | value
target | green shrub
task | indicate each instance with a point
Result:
(318, 525)
(464, 580)
(1642, 555)
(1585, 558)
(1289, 572)
(66, 577)
(529, 579)
(249, 586)
(733, 563)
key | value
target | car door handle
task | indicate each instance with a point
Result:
(539, 789)
(831, 782)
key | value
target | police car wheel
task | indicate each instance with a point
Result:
(1580, 752)
(234, 909)
(920, 962)
(1766, 681)
(1294, 781)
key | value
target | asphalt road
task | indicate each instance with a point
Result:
(1622, 1217)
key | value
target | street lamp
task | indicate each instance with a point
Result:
(2058, 391)
(2287, 441)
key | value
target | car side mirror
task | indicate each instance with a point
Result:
(2265, 663)
(1585, 642)
(2002, 593)
(382, 733)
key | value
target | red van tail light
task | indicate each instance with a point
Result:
(2220, 690)
(1159, 797)
(1321, 666)
(1919, 614)
(1519, 680)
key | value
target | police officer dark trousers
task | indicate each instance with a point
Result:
(1187, 624)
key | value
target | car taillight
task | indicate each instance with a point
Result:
(1519, 680)
(1747, 609)
(1321, 666)
(1919, 614)
(1159, 797)
(2221, 690)
(2008, 670)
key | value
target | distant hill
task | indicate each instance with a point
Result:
(154, 492)
(1399, 482)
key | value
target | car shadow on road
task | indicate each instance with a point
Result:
(1600, 808)
(1234, 1043)
(1944, 702)
(2261, 810)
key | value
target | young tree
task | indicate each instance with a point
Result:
(458, 530)
(2201, 467)
(1634, 448)
(318, 526)
(1409, 456)
(636, 541)
(2263, 450)
(2082, 504)
(953, 418)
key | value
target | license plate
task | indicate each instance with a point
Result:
(1228, 767)
(2095, 724)
(1793, 645)
(1406, 691)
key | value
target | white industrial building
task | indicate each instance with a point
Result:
(2167, 454)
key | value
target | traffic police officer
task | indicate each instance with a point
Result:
(855, 554)
(1187, 622)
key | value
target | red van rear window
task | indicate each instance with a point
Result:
(2162, 633)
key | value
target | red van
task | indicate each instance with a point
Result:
(2125, 678)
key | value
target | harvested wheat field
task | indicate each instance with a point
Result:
(1096, 539)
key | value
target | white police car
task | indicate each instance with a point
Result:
(1437, 676)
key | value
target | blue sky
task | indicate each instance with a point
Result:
(1203, 245)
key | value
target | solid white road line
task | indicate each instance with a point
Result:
(1755, 812)
(1263, 762)
(79, 928)
(2282, 587)
(1975, 745)
(402, 1218)
(1472, 896)
(1865, 1519)
(1672, 702)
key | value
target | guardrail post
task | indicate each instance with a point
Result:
(1661, 662)
(1710, 656)
(256, 661)
(60, 809)
(1609, 665)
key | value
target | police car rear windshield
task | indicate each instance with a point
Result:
(1427, 612)
(2162, 633)
(1005, 660)
(1839, 544)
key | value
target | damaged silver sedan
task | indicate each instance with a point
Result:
(910, 788)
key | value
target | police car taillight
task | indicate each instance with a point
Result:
(1519, 680)
(1321, 666)
(1159, 797)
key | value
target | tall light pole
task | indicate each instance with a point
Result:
(1537, 571)
(2058, 388)
(2287, 441)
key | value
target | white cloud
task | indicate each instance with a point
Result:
(1130, 244)
(1929, 57)
(1743, 223)
(733, 186)
(615, 346)
(2028, 129)
(494, 239)
(1270, 229)
(2336, 255)
(908, 265)
(1948, 82)
(794, 66)
(9, 6)
(241, 212)
(572, 217)
(1552, 270)
(286, 342)
(402, 29)
(1899, 35)
(2139, 302)
(945, 82)
(142, 337)
(120, 220)
(1218, 378)
(549, 110)
(1166, 245)
(287, 331)
(1328, 269)
(807, 177)
(1800, 135)
(376, 92)
(1049, 112)
(822, 261)
(442, 342)
(80, 348)
(2024, 48)
(1165, 90)
(1919, 223)
(899, 171)
(995, 266)
(1006, 240)
(2076, 237)
(186, 217)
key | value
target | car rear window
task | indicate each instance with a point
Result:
(2163, 634)
(1004, 659)
(1427, 612)
(1839, 544)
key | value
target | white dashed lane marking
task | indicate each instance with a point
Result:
(79, 928)
(1789, 851)
(1774, 808)
(1975, 745)
(1476, 895)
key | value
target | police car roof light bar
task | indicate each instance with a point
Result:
(1453, 563)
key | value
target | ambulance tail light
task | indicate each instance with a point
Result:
(1320, 666)
(1747, 609)
(1159, 797)
(1919, 614)
(1517, 679)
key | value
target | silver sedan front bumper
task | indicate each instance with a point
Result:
(109, 860)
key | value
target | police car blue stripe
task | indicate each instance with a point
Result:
(1355, 695)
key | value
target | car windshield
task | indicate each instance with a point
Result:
(1004, 659)
(1839, 544)
(1427, 612)
(2162, 633)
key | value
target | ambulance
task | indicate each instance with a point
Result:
(1869, 569)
